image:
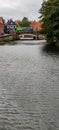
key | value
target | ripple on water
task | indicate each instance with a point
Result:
(29, 88)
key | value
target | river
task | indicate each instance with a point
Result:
(29, 87)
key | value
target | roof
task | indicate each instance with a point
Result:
(11, 22)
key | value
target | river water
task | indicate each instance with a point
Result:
(29, 87)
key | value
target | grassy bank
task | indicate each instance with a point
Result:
(5, 39)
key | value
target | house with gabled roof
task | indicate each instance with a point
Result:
(10, 26)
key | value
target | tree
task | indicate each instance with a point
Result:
(25, 22)
(50, 17)
(19, 22)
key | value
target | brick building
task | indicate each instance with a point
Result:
(1, 25)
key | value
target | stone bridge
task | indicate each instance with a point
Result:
(33, 35)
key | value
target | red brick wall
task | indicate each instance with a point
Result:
(1, 25)
(1, 28)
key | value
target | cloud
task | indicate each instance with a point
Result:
(17, 9)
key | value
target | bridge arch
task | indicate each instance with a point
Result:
(28, 35)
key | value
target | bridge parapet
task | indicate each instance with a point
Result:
(31, 34)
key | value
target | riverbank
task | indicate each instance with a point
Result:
(8, 38)
(4, 39)
(12, 37)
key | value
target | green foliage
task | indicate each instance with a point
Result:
(19, 22)
(15, 38)
(50, 17)
(25, 22)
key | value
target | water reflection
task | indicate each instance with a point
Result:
(50, 49)
(27, 42)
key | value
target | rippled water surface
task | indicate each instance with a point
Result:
(29, 88)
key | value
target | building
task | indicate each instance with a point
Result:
(10, 26)
(1, 25)
(37, 26)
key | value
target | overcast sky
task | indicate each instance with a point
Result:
(17, 9)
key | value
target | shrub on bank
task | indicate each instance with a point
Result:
(8, 39)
